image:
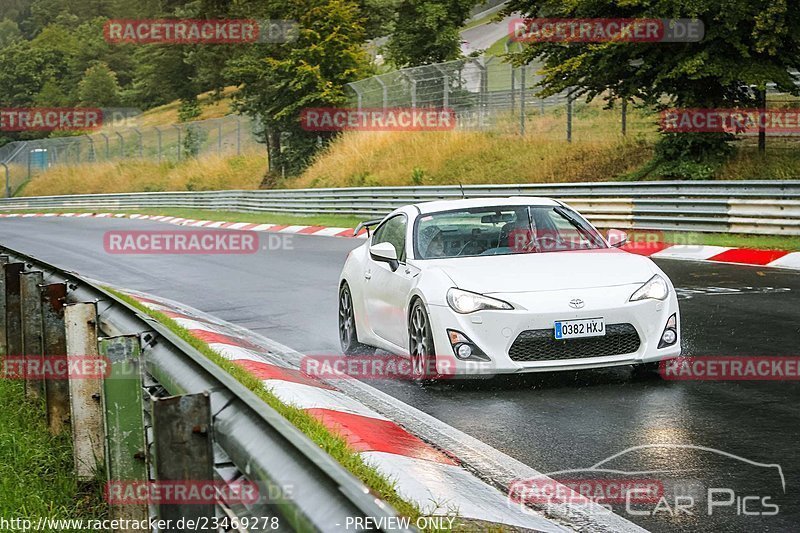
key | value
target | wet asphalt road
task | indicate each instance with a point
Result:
(551, 422)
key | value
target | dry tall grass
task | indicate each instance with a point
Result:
(204, 174)
(430, 158)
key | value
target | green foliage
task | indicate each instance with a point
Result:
(687, 156)
(9, 32)
(99, 87)
(193, 139)
(417, 176)
(747, 44)
(427, 31)
(279, 81)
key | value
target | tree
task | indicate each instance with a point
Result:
(747, 44)
(99, 87)
(9, 32)
(279, 81)
(427, 31)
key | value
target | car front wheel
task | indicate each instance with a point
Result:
(420, 343)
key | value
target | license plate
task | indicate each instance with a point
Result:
(574, 329)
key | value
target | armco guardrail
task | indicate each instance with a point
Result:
(166, 416)
(751, 207)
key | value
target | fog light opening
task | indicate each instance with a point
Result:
(464, 348)
(670, 334)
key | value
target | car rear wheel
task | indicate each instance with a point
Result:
(348, 337)
(420, 343)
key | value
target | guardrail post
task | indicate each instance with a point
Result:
(31, 318)
(8, 181)
(85, 393)
(126, 459)
(11, 302)
(183, 449)
(54, 342)
(3, 261)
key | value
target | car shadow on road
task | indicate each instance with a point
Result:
(618, 376)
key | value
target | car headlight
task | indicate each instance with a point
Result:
(655, 288)
(468, 302)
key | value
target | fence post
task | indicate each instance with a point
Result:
(624, 117)
(183, 450)
(11, 302)
(92, 152)
(85, 393)
(121, 145)
(180, 148)
(108, 148)
(56, 388)
(569, 118)
(238, 136)
(523, 68)
(158, 132)
(384, 92)
(126, 456)
(513, 88)
(31, 318)
(141, 142)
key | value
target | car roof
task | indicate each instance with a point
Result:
(447, 205)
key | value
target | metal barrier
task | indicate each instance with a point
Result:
(166, 414)
(750, 207)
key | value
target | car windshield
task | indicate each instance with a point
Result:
(503, 230)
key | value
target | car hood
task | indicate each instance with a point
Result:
(549, 271)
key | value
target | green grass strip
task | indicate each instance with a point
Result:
(37, 477)
(331, 443)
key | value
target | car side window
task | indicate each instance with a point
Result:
(393, 231)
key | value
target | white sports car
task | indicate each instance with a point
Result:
(502, 285)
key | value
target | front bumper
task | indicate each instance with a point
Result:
(494, 332)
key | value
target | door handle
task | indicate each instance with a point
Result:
(368, 274)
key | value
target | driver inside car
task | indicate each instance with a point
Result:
(431, 243)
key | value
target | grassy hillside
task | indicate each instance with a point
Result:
(373, 159)
(206, 173)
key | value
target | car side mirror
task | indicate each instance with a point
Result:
(385, 252)
(617, 238)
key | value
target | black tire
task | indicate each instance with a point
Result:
(348, 336)
(420, 344)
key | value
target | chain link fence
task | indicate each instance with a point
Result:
(233, 134)
(488, 93)
(484, 92)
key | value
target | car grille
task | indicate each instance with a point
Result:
(541, 344)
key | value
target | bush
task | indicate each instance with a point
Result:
(689, 156)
